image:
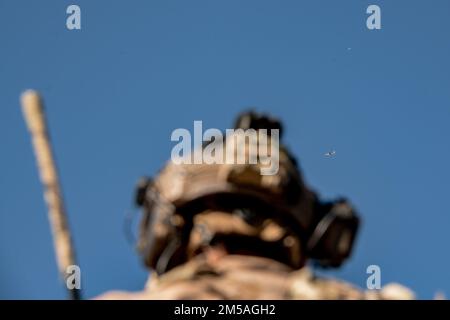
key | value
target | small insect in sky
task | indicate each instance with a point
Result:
(330, 153)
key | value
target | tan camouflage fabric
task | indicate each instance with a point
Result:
(217, 276)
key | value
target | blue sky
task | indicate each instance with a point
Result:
(137, 70)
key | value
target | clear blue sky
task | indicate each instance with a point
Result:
(137, 70)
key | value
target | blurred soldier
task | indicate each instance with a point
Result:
(225, 231)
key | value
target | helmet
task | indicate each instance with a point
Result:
(187, 206)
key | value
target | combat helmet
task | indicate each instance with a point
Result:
(188, 207)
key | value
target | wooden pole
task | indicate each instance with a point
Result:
(33, 112)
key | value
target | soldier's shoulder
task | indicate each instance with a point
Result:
(306, 285)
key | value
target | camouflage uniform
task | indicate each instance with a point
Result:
(237, 277)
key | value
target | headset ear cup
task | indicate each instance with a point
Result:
(153, 231)
(154, 235)
(333, 238)
(160, 229)
(338, 241)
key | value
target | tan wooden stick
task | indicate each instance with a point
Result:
(33, 112)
